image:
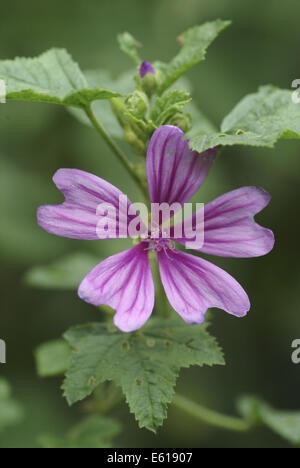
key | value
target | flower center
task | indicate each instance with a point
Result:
(157, 241)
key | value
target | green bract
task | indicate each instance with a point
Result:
(169, 105)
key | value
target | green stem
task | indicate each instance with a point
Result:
(162, 304)
(212, 417)
(118, 152)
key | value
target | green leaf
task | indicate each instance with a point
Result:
(195, 42)
(53, 77)
(11, 412)
(129, 45)
(284, 423)
(65, 273)
(168, 105)
(52, 358)
(93, 432)
(145, 364)
(260, 119)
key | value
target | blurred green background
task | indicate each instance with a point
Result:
(261, 47)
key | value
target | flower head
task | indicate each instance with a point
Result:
(145, 68)
(192, 284)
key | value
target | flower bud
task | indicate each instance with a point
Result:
(145, 68)
(138, 103)
(148, 79)
(182, 121)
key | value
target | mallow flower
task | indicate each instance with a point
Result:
(192, 284)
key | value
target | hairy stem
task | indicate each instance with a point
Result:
(114, 147)
(212, 417)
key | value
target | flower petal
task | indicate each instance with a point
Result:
(123, 282)
(229, 227)
(145, 68)
(77, 217)
(193, 285)
(174, 172)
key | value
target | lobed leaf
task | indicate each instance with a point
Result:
(260, 119)
(53, 77)
(195, 42)
(145, 364)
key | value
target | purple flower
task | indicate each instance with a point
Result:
(145, 68)
(192, 284)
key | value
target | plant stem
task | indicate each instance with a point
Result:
(162, 304)
(118, 152)
(212, 417)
